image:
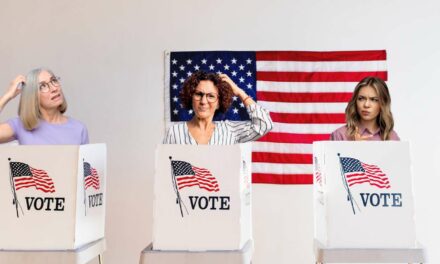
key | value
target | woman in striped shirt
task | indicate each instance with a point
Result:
(209, 93)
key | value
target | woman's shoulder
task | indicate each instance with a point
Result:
(394, 136)
(177, 125)
(339, 134)
(176, 134)
(75, 122)
(15, 123)
(341, 129)
(177, 128)
(14, 120)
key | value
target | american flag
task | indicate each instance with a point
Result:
(318, 175)
(305, 92)
(25, 177)
(357, 172)
(91, 178)
(188, 175)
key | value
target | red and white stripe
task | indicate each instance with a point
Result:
(40, 180)
(306, 94)
(92, 180)
(373, 175)
(202, 178)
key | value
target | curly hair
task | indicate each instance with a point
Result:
(384, 120)
(189, 87)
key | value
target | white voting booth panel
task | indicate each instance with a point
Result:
(363, 195)
(203, 200)
(52, 197)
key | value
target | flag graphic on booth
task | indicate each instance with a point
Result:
(91, 178)
(187, 175)
(354, 171)
(306, 93)
(357, 172)
(318, 174)
(25, 176)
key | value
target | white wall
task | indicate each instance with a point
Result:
(110, 55)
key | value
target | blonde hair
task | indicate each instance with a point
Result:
(29, 106)
(384, 120)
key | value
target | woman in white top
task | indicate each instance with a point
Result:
(207, 93)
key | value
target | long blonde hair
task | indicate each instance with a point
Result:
(29, 106)
(384, 120)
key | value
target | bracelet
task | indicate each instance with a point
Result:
(244, 100)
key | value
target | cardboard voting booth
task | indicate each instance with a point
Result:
(202, 197)
(363, 195)
(52, 197)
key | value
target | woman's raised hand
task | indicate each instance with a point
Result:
(359, 137)
(235, 89)
(15, 87)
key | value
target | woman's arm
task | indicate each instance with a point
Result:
(6, 131)
(237, 91)
(260, 123)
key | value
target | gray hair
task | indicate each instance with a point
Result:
(29, 106)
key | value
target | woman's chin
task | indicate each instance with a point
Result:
(203, 116)
(52, 106)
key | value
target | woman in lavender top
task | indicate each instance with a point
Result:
(368, 114)
(41, 118)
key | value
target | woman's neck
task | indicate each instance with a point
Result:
(201, 130)
(52, 116)
(202, 124)
(371, 125)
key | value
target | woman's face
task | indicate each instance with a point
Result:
(50, 94)
(367, 104)
(205, 100)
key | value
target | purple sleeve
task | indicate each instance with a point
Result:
(84, 136)
(13, 123)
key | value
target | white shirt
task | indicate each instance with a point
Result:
(227, 132)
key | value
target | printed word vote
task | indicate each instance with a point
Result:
(382, 199)
(95, 200)
(45, 203)
(210, 202)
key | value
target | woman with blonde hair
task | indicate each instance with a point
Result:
(368, 114)
(41, 118)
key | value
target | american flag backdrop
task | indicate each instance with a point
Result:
(91, 178)
(357, 172)
(305, 92)
(188, 175)
(25, 176)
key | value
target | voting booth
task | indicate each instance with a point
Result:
(363, 195)
(202, 197)
(52, 197)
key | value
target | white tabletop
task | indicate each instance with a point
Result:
(243, 256)
(368, 255)
(80, 255)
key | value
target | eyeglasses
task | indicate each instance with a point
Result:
(210, 97)
(45, 86)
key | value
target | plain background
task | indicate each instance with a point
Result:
(110, 56)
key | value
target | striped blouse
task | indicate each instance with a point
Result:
(227, 132)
